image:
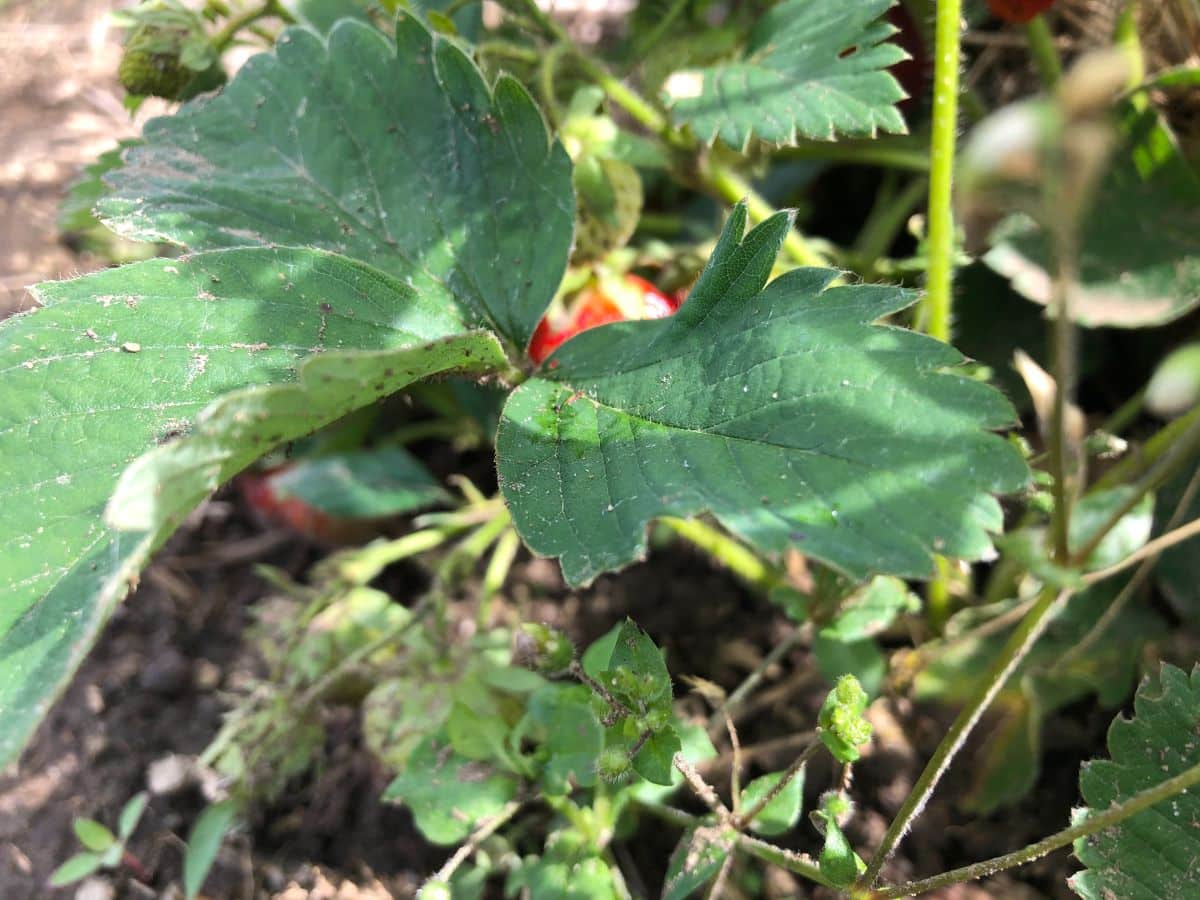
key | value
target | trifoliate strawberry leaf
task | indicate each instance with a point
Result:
(782, 410)
(1154, 854)
(128, 359)
(812, 68)
(397, 154)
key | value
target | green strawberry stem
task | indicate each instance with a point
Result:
(271, 8)
(715, 177)
(1091, 825)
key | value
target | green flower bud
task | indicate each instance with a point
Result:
(613, 764)
(435, 890)
(843, 728)
(543, 649)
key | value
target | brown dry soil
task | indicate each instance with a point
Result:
(162, 674)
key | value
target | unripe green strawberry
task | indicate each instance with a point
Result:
(610, 203)
(613, 764)
(151, 66)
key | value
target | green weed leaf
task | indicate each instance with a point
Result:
(572, 735)
(77, 868)
(1152, 855)
(696, 861)
(93, 835)
(449, 794)
(204, 842)
(783, 410)
(780, 814)
(812, 68)
(131, 814)
(654, 761)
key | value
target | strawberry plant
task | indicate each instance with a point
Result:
(572, 257)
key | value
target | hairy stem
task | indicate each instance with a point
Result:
(752, 681)
(1091, 825)
(746, 818)
(1019, 643)
(940, 274)
(732, 554)
(485, 830)
(225, 36)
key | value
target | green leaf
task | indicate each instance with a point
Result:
(1152, 855)
(1007, 764)
(573, 735)
(839, 863)
(204, 842)
(697, 859)
(654, 761)
(861, 658)
(322, 15)
(812, 68)
(780, 814)
(1139, 260)
(1178, 569)
(595, 658)
(77, 210)
(397, 154)
(696, 747)
(93, 835)
(449, 794)
(871, 609)
(589, 878)
(364, 484)
(78, 867)
(476, 735)
(131, 814)
(1094, 511)
(130, 359)
(785, 412)
(1050, 677)
(634, 653)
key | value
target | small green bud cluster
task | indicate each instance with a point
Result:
(843, 728)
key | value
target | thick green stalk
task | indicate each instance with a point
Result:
(1019, 643)
(940, 275)
(735, 556)
(1091, 825)
(731, 187)
(225, 36)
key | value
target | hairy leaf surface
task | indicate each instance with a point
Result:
(1155, 854)
(812, 68)
(395, 154)
(128, 359)
(782, 410)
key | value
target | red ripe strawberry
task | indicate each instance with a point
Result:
(639, 299)
(1017, 12)
(293, 513)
